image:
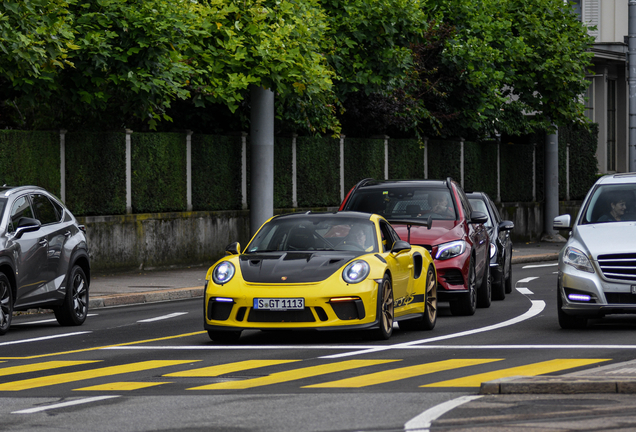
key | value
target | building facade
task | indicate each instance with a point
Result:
(608, 94)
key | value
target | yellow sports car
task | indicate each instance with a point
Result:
(324, 271)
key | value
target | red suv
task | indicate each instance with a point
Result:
(437, 215)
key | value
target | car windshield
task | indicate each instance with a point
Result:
(3, 203)
(315, 233)
(405, 202)
(611, 203)
(479, 205)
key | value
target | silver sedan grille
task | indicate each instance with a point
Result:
(618, 266)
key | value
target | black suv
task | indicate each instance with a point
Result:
(44, 261)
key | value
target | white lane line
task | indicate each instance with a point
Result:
(536, 308)
(541, 265)
(43, 321)
(172, 315)
(422, 422)
(528, 279)
(64, 404)
(524, 290)
(43, 338)
(350, 347)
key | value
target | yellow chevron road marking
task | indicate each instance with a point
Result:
(527, 370)
(88, 374)
(294, 374)
(401, 373)
(121, 386)
(35, 367)
(212, 371)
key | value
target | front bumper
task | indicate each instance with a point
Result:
(320, 312)
(606, 297)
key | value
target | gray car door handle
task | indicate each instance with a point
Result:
(43, 242)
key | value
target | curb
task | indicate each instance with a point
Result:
(557, 385)
(104, 301)
(553, 256)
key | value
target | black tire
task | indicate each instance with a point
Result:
(508, 277)
(484, 294)
(499, 288)
(6, 304)
(467, 303)
(385, 313)
(569, 322)
(224, 336)
(429, 317)
(74, 310)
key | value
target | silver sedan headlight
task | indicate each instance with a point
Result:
(577, 259)
(450, 249)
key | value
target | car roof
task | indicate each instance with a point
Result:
(5, 190)
(340, 214)
(620, 178)
(379, 184)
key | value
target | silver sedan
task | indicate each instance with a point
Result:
(597, 266)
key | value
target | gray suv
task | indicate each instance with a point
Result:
(44, 261)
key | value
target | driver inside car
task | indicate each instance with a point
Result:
(359, 237)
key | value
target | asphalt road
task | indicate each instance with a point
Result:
(151, 367)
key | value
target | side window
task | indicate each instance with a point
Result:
(44, 210)
(387, 239)
(21, 209)
(465, 204)
(495, 210)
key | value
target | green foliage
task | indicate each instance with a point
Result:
(216, 172)
(30, 158)
(517, 169)
(406, 159)
(158, 163)
(318, 171)
(35, 39)
(95, 173)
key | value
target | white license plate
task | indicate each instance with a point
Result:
(279, 303)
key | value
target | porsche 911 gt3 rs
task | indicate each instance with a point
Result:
(323, 271)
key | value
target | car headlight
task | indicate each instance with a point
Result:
(223, 272)
(577, 259)
(356, 271)
(493, 250)
(450, 250)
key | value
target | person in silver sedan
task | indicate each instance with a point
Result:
(617, 207)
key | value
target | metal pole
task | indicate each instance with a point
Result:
(631, 58)
(262, 162)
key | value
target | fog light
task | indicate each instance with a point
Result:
(224, 300)
(579, 297)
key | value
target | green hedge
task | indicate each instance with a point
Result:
(444, 159)
(216, 172)
(96, 167)
(95, 173)
(363, 158)
(158, 179)
(318, 171)
(583, 163)
(406, 159)
(30, 158)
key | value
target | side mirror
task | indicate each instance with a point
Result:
(400, 246)
(478, 217)
(562, 222)
(26, 225)
(506, 225)
(233, 249)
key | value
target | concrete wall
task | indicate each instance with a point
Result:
(128, 242)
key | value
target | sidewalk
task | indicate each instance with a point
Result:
(147, 286)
